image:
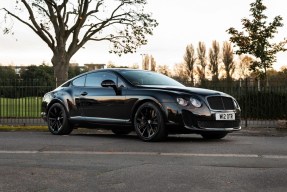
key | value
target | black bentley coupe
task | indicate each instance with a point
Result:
(150, 103)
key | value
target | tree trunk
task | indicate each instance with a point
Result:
(228, 77)
(191, 77)
(266, 76)
(61, 67)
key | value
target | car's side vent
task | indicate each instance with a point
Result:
(221, 103)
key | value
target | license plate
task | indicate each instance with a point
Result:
(225, 116)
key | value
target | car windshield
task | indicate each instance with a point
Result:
(138, 77)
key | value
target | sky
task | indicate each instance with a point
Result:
(181, 23)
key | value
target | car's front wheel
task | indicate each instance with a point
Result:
(214, 135)
(149, 122)
(57, 120)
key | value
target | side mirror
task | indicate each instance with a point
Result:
(108, 83)
(111, 83)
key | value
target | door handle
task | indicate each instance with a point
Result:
(84, 93)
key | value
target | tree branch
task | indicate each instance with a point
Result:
(41, 8)
(49, 41)
(53, 17)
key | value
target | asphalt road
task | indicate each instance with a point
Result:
(101, 161)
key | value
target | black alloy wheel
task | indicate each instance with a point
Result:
(214, 135)
(57, 120)
(149, 122)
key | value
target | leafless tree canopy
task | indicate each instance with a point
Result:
(73, 23)
(202, 60)
(66, 26)
(228, 59)
(214, 56)
(190, 59)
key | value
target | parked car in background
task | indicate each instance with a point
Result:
(150, 103)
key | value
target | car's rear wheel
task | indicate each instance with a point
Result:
(57, 120)
(214, 135)
(149, 122)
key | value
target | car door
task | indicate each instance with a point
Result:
(102, 104)
(76, 88)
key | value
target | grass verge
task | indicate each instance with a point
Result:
(23, 128)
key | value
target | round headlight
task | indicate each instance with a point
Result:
(195, 102)
(182, 101)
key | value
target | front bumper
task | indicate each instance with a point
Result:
(196, 120)
(209, 123)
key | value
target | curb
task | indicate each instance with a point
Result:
(255, 131)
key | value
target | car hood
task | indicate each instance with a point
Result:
(188, 90)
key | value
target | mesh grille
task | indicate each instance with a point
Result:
(221, 103)
(219, 124)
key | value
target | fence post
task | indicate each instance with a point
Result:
(245, 102)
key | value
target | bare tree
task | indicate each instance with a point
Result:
(135, 66)
(180, 73)
(189, 60)
(152, 63)
(163, 69)
(244, 64)
(202, 61)
(228, 60)
(111, 64)
(146, 62)
(65, 26)
(214, 56)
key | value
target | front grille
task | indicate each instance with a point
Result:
(219, 124)
(221, 103)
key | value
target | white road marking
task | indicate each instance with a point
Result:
(148, 154)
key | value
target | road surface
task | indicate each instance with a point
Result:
(101, 161)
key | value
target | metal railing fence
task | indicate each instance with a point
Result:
(20, 101)
(261, 105)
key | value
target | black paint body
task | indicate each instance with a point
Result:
(114, 107)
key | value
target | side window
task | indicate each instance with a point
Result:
(79, 82)
(95, 79)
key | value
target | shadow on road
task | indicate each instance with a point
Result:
(182, 138)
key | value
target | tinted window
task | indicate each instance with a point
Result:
(149, 78)
(79, 81)
(95, 79)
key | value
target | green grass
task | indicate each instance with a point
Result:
(27, 107)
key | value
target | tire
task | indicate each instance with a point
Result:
(121, 131)
(58, 121)
(213, 135)
(149, 122)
